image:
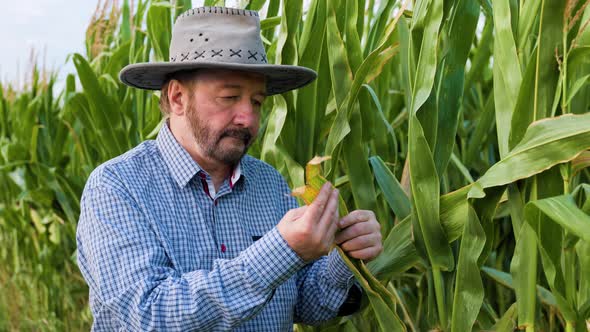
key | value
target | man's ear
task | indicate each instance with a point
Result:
(178, 97)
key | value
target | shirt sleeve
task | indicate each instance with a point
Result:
(130, 275)
(323, 286)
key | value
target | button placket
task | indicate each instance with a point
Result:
(219, 233)
(221, 227)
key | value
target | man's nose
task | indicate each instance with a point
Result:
(246, 114)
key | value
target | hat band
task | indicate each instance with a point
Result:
(229, 55)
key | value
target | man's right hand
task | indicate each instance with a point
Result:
(310, 230)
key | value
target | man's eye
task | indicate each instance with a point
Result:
(256, 102)
(230, 97)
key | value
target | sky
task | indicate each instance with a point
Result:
(56, 26)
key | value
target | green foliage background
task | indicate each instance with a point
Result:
(471, 144)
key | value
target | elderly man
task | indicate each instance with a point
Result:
(187, 232)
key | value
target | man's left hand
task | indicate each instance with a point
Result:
(360, 235)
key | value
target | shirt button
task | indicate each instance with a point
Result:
(223, 248)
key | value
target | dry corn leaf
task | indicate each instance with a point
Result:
(382, 301)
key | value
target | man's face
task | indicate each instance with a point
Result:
(224, 112)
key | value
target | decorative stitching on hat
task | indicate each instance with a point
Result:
(252, 55)
(199, 55)
(236, 53)
(218, 10)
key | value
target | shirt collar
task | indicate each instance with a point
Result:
(181, 165)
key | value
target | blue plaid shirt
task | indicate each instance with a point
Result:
(159, 253)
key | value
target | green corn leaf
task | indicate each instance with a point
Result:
(104, 111)
(453, 212)
(564, 211)
(387, 144)
(340, 70)
(505, 279)
(545, 144)
(550, 242)
(118, 60)
(583, 252)
(269, 23)
(507, 322)
(526, 21)
(346, 89)
(181, 6)
(524, 271)
(425, 191)
(576, 87)
(309, 113)
(427, 60)
(125, 29)
(398, 254)
(286, 52)
(394, 194)
(159, 28)
(357, 164)
(463, 21)
(353, 43)
(276, 120)
(507, 74)
(535, 100)
(468, 296)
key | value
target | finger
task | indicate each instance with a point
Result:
(362, 242)
(329, 216)
(356, 216)
(333, 227)
(316, 208)
(366, 254)
(356, 230)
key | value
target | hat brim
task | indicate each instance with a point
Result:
(279, 78)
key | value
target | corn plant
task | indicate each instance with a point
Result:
(463, 124)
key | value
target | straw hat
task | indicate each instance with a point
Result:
(217, 37)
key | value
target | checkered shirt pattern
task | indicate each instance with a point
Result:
(158, 253)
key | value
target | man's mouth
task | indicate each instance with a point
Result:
(242, 135)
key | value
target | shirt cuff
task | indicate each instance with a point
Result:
(337, 271)
(272, 260)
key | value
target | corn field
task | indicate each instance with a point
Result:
(463, 124)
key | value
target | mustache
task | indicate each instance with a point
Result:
(239, 133)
